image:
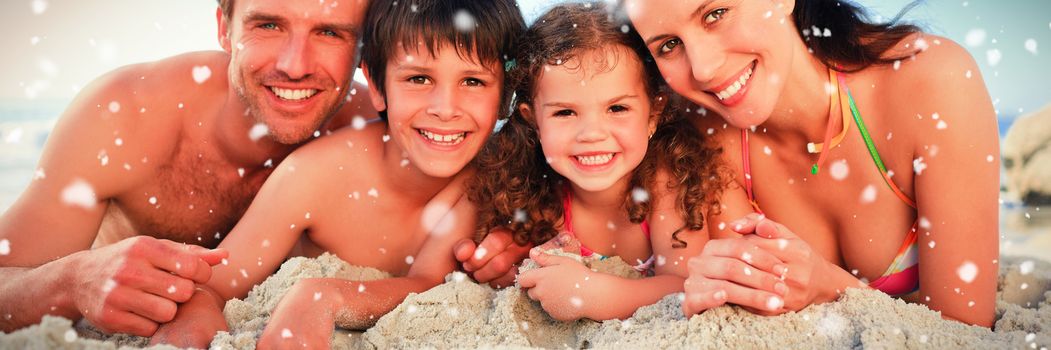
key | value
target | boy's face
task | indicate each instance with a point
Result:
(291, 62)
(593, 125)
(440, 109)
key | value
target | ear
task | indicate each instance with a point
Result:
(379, 101)
(786, 6)
(527, 112)
(656, 111)
(224, 30)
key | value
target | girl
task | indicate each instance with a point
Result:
(876, 143)
(593, 151)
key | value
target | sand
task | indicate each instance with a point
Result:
(464, 314)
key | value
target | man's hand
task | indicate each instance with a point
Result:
(133, 286)
(494, 260)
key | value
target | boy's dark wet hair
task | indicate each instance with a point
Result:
(493, 28)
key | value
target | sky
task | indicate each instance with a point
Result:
(54, 47)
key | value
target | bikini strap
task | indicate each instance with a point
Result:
(747, 165)
(872, 145)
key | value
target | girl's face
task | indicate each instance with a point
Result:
(730, 56)
(593, 122)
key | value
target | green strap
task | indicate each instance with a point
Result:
(864, 131)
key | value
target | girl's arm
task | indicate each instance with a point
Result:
(311, 308)
(956, 193)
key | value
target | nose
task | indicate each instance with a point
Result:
(705, 58)
(592, 129)
(443, 103)
(296, 59)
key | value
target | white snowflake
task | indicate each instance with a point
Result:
(967, 271)
(172, 289)
(839, 170)
(114, 107)
(520, 215)
(5, 247)
(109, 285)
(358, 123)
(639, 195)
(14, 136)
(480, 253)
(918, 166)
(774, 303)
(79, 194)
(975, 37)
(286, 333)
(201, 74)
(410, 259)
(576, 302)
(868, 195)
(38, 6)
(258, 131)
(1026, 267)
(70, 336)
(993, 57)
(464, 21)
(1030, 45)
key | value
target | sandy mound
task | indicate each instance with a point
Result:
(463, 314)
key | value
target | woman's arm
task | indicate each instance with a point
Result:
(956, 186)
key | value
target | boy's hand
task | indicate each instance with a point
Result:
(195, 324)
(561, 285)
(494, 260)
(303, 319)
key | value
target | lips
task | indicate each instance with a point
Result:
(733, 91)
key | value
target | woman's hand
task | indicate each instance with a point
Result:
(303, 319)
(561, 285)
(810, 278)
(735, 271)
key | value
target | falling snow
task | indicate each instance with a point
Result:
(1030, 45)
(639, 195)
(868, 195)
(70, 336)
(993, 57)
(258, 131)
(5, 247)
(114, 107)
(975, 37)
(839, 170)
(285, 333)
(918, 166)
(201, 74)
(38, 6)
(464, 21)
(358, 123)
(967, 272)
(79, 194)
(1026, 267)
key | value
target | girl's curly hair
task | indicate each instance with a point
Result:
(516, 189)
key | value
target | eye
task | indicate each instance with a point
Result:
(715, 15)
(473, 82)
(268, 26)
(668, 46)
(618, 108)
(564, 113)
(329, 33)
(419, 79)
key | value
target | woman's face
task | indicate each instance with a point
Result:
(730, 56)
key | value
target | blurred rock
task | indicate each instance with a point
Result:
(1027, 157)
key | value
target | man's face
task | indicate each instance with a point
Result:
(292, 60)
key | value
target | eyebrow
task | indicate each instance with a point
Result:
(257, 16)
(426, 70)
(570, 105)
(697, 12)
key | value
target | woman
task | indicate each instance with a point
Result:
(875, 143)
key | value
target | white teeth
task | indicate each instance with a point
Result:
(599, 159)
(445, 140)
(736, 86)
(294, 95)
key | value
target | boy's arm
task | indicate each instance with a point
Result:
(312, 306)
(120, 288)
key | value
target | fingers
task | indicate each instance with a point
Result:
(176, 258)
(212, 256)
(748, 297)
(504, 281)
(745, 250)
(739, 272)
(498, 266)
(114, 321)
(157, 282)
(773, 230)
(746, 224)
(463, 250)
(152, 307)
(495, 243)
(698, 302)
(529, 278)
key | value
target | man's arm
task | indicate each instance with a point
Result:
(59, 214)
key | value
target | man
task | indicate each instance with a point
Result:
(153, 159)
